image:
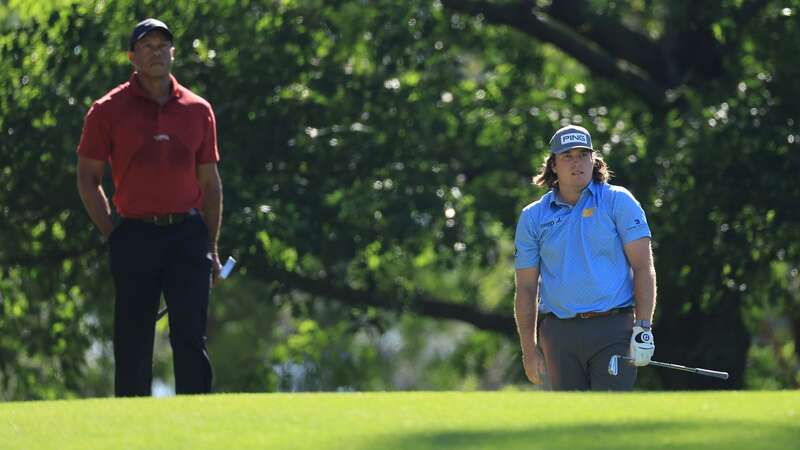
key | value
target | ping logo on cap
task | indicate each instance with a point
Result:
(574, 138)
(569, 137)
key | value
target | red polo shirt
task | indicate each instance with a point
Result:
(153, 150)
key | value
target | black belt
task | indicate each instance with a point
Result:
(166, 219)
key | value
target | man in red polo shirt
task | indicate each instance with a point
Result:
(160, 140)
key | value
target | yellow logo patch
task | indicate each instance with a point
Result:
(587, 212)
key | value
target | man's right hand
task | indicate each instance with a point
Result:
(534, 366)
(90, 188)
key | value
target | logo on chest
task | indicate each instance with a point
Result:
(551, 223)
(161, 137)
(587, 212)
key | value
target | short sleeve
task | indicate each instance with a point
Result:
(208, 152)
(526, 243)
(96, 135)
(629, 217)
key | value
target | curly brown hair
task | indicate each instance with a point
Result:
(601, 173)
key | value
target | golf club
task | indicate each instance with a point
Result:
(613, 368)
(224, 273)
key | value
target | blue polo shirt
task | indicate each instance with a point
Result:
(579, 249)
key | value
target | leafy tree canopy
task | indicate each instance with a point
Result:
(375, 156)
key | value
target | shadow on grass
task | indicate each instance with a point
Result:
(651, 435)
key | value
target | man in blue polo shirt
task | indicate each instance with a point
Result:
(585, 281)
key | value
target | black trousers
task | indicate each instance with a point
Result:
(149, 260)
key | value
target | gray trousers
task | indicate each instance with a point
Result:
(576, 352)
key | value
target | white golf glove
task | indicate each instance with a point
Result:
(642, 346)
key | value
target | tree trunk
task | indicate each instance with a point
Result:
(715, 340)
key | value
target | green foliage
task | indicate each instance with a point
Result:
(378, 153)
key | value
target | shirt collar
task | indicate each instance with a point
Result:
(555, 202)
(593, 187)
(139, 90)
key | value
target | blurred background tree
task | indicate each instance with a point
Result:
(375, 155)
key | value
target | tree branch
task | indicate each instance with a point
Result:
(530, 21)
(614, 38)
(418, 302)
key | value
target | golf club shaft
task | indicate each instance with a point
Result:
(706, 372)
(698, 371)
(224, 273)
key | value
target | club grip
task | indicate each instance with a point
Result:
(713, 373)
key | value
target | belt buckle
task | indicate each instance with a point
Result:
(593, 314)
(170, 219)
(162, 220)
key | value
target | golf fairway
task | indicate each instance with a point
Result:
(410, 420)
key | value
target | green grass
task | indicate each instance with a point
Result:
(412, 420)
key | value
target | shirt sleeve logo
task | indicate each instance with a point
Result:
(636, 223)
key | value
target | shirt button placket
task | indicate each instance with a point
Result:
(158, 120)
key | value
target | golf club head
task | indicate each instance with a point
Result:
(227, 268)
(613, 365)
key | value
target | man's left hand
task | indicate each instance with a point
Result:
(216, 267)
(642, 346)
